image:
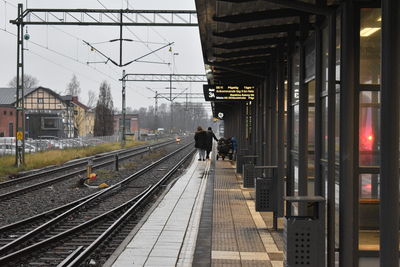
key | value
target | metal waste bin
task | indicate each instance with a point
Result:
(240, 160)
(264, 194)
(304, 234)
(248, 175)
(264, 185)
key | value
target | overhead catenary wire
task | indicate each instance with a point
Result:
(134, 34)
(59, 53)
(72, 59)
(76, 58)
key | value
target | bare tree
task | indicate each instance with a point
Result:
(73, 87)
(92, 99)
(29, 82)
(104, 118)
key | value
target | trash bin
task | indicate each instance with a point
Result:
(264, 194)
(240, 159)
(304, 234)
(248, 175)
(264, 185)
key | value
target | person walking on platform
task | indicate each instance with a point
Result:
(234, 147)
(200, 139)
(210, 136)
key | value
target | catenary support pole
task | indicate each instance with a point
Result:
(390, 93)
(123, 139)
(171, 103)
(20, 103)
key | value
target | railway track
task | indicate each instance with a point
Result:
(20, 186)
(74, 232)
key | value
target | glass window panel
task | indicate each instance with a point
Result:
(370, 46)
(310, 58)
(324, 132)
(338, 40)
(369, 125)
(296, 75)
(311, 92)
(311, 164)
(337, 196)
(296, 127)
(369, 212)
(50, 123)
(311, 128)
(337, 125)
(369, 186)
(295, 165)
(325, 59)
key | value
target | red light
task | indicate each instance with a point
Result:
(370, 138)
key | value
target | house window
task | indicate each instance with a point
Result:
(40, 100)
(50, 123)
(5, 112)
(11, 113)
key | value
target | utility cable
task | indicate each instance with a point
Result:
(134, 34)
(70, 58)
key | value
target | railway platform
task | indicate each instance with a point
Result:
(206, 218)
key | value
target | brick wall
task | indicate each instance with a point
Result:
(7, 121)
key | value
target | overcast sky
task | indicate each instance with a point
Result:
(62, 53)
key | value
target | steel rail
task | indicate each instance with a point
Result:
(7, 258)
(92, 247)
(19, 241)
(69, 175)
(10, 227)
(71, 257)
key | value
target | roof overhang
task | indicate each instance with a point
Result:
(240, 38)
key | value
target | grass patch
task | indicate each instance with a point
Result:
(56, 157)
(129, 165)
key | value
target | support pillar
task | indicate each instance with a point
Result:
(390, 93)
(303, 117)
(289, 122)
(348, 207)
(281, 136)
(331, 140)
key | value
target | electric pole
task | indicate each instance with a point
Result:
(123, 108)
(170, 97)
(156, 111)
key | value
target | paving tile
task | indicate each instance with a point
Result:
(275, 256)
(254, 256)
(250, 263)
(225, 255)
(124, 262)
(165, 252)
(277, 263)
(226, 263)
(160, 262)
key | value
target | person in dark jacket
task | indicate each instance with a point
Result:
(234, 146)
(200, 138)
(210, 136)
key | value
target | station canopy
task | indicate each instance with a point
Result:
(239, 37)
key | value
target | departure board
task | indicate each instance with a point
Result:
(222, 93)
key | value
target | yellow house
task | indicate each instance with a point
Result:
(83, 119)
